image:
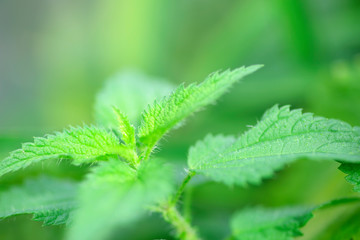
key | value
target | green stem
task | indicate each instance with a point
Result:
(184, 230)
(187, 204)
(177, 196)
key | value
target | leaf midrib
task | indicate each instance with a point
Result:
(226, 153)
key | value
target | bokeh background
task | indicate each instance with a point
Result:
(56, 55)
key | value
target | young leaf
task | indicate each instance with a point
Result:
(281, 137)
(126, 129)
(128, 136)
(130, 91)
(353, 171)
(120, 194)
(171, 110)
(50, 200)
(80, 144)
(281, 224)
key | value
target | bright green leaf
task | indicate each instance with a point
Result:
(281, 137)
(128, 137)
(126, 129)
(80, 144)
(50, 200)
(130, 91)
(116, 195)
(171, 110)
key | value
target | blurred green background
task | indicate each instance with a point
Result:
(56, 55)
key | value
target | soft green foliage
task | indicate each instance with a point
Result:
(353, 171)
(281, 137)
(130, 91)
(116, 194)
(50, 200)
(165, 114)
(269, 224)
(260, 223)
(81, 144)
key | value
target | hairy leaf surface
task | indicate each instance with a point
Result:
(126, 129)
(130, 91)
(171, 110)
(50, 200)
(82, 144)
(284, 223)
(281, 137)
(115, 195)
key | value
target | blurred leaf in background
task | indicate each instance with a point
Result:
(131, 92)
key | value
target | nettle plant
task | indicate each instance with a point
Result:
(126, 181)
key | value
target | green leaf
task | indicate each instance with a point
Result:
(281, 137)
(50, 200)
(128, 137)
(265, 224)
(130, 91)
(275, 224)
(115, 195)
(126, 129)
(353, 171)
(80, 144)
(171, 110)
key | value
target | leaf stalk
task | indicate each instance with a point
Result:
(179, 192)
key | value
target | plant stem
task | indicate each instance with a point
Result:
(177, 196)
(187, 204)
(183, 229)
